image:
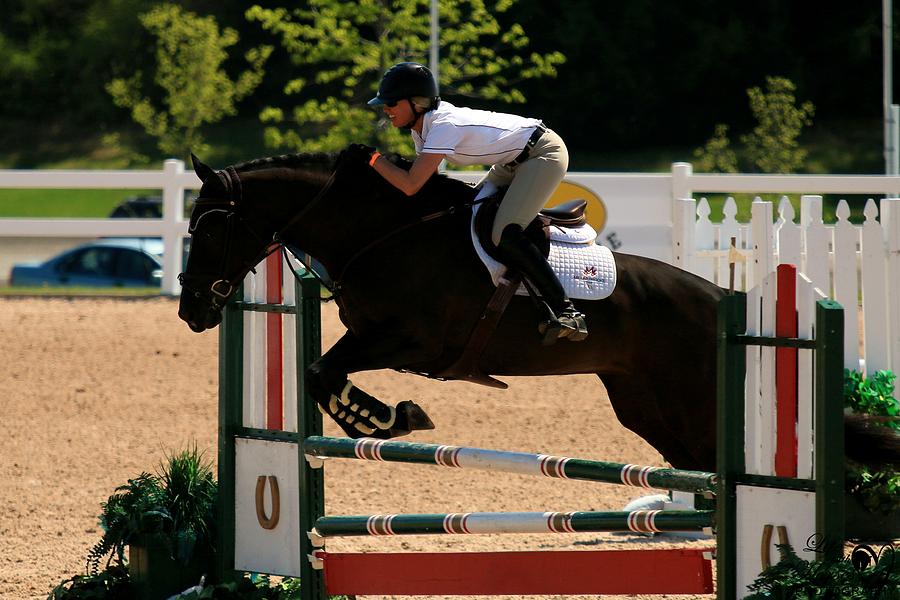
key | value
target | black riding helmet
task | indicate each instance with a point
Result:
(404, 81)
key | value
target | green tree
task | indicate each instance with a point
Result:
(190, 52)
(772, 146)
(346, 46)
(716, 156)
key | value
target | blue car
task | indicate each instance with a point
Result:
(107, 262)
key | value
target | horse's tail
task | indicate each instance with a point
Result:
(869, 442)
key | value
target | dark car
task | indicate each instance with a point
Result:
(108, 262)
(139, 207)
(146, 207)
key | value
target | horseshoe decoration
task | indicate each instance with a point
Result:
(765, 548)
(265, 521)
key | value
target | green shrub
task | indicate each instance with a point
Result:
(872, 395)
(865, 576)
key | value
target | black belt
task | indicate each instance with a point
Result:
(538, 132)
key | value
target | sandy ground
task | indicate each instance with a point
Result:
(96, 391)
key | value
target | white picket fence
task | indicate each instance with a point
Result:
(857, 265)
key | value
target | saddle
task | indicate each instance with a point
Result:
(569, 214)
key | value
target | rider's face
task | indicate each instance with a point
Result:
(400, 114)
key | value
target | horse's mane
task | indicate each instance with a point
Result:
(440, 190)
(291, 161)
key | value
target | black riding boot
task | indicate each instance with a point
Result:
(522, 255)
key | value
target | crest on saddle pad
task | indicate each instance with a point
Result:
(586, 270)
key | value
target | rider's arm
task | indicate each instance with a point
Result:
(409, 182)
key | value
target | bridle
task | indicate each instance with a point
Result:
(223, 286)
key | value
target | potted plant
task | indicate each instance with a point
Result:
(166, 521)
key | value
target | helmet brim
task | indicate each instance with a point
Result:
(376, 101)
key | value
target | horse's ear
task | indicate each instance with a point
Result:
(204, 172)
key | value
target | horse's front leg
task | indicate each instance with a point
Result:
(356, 412)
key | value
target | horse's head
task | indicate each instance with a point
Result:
(222, 249)
(242, 214)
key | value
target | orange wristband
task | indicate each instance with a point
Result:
(375, 156)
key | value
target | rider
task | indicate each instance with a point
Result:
(525, 155)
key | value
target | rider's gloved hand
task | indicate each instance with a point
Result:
(359, 152)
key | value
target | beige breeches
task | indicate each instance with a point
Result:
(530, 184)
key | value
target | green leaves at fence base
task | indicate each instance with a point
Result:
(111, 584)
(260, 588)
(796, 579)
(872, 395)
(879, 491)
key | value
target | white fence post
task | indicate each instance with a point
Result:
(890, 220)
(846, 286)
(681, 180)
(683, 237)
(788, 241)
(173, 217)
(763, 243)
(817, 242)
(874, 291)
(682, 225)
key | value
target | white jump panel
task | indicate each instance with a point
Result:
(259, 545)
(758, 507)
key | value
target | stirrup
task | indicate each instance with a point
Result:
(569, 324)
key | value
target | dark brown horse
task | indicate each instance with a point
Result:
(411, 290)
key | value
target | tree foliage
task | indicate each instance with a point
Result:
(716, 156)
(340, 50)
(190, 52)
(634, 89)
(772, 146)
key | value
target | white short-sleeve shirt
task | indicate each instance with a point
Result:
(473, 137)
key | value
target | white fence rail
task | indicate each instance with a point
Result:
(172, 227)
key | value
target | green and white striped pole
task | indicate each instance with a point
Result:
(640, 521)
(694, 482)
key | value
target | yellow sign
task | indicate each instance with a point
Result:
(595, 211)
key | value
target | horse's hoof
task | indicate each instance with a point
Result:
(414, 417)
(409, 417)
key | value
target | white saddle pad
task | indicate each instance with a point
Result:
(586, 269)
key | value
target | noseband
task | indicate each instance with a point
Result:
(223, 286)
